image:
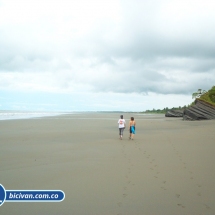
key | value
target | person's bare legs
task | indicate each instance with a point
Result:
(132, 136)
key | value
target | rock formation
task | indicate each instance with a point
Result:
(174, 113)
(203, 107)
(199, 111)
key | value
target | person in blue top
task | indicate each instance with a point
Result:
(132, 125)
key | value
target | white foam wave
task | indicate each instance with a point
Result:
(8, 115)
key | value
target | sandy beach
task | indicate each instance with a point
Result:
(168, 169)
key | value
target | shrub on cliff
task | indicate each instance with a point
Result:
(209, 96)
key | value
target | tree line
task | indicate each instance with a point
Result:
(164, 110)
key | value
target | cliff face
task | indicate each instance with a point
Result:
(200, 111)
(203, 108)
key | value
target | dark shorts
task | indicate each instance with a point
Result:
(131, 130)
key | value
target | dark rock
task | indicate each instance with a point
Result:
(199, 111)
(174, 113)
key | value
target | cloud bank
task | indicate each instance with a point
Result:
(162, 47)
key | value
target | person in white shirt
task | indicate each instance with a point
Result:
(122, 125)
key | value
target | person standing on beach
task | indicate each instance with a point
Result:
(122, 125)
(132, 125)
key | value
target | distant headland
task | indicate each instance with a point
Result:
(202, 108)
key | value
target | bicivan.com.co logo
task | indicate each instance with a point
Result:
(30, 195)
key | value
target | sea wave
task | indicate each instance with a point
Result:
(9, 115)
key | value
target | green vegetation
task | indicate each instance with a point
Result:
(209, 96)
(163, 111)
(198, 94)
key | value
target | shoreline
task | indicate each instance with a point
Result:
(15, 115)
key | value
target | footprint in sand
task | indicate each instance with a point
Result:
(177, 195)
(119, 204)
(180, 205)
(163, 188)
(124, 195)
(207, 206)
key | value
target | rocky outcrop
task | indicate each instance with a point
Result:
(174, 113)
(199, 111)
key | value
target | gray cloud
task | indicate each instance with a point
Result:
(158, 46)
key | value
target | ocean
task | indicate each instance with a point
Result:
(9, 115)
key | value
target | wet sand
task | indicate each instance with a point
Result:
(168, 169)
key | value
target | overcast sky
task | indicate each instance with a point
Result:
(127, 55)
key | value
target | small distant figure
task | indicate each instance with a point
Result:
(122, 125)
(132, 124)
